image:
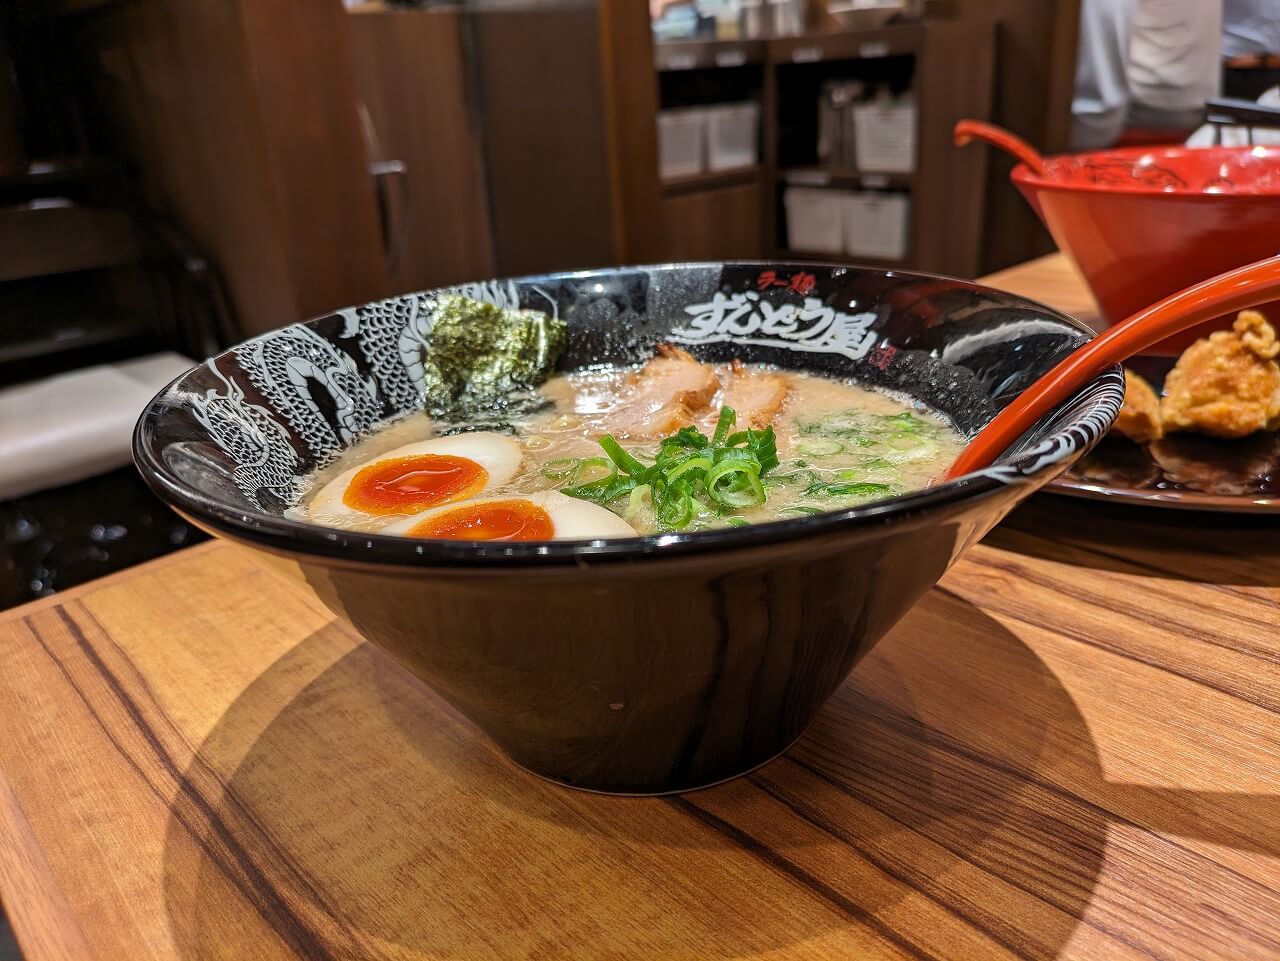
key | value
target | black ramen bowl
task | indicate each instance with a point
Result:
(650, 664)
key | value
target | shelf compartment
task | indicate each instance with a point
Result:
(711, 180)
(845, 179)
(84, 333)
(51, 171)
(677, 55)
(856, 45)
(55, 238)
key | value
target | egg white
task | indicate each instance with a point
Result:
(571, 519)
(498, 454)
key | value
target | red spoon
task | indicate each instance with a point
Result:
(1235, 290)
(967, 131)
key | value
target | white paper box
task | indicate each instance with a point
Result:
(731, 136)
(682, 136)
(815, 219)
(877, 225)
(885, 139)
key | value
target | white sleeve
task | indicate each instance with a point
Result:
(1175, 59)
(1101, 100)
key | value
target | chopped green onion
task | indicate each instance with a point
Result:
(626, 463)
(724, 424)
(819, 447)
(692, 462)
(676, 509)
(601, 491)
(918, 448)
(641, 499)
(690, 477)
(593, 469)
(689, 437)
(802, 478)
(905, 421)
(846, 490)
(735, 483)
(560, 468)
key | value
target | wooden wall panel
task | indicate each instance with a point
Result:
(174, 83)
(631, 103)
(412, 75)
(241, 118)
(302, 66)
(546, 143)
(714, 225)
(948, 206)
(1035, 55)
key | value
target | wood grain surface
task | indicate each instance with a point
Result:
(1069, 749)
(411, 72)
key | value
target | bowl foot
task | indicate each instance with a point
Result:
(659, 792)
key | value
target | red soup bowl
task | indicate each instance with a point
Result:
(1142, 223)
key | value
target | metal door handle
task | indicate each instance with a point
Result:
(395, 225)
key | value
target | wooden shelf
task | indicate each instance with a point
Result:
(854, 45)
(711, 180)
(59, 238)
(62, 170)
(72, 7)
(701, 54)
(845, 179)
(806, 48)
(950, 66)
(80, 335)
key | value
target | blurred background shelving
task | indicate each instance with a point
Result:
(919, 77)
(320, 154)
(176, 175)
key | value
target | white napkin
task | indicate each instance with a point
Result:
(72, 426)
(1234, 135)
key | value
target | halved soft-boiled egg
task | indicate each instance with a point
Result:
(544, 516)
(418, 477)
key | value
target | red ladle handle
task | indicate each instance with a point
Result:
(1235, 290)
(969, 130)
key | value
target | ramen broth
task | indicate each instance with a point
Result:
(838, 445)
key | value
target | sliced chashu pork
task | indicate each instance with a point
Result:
(756, 396)
(664, 397)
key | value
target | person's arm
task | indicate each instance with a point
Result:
(1102, 95)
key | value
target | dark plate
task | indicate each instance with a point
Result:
(1231, 485)
(1181, 471)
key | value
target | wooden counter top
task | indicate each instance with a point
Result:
(1069, 749)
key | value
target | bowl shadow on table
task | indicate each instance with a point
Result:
(350, 845)
(913, 793)
(1231, 550)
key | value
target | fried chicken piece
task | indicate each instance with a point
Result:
(756, 396)
(1228, 384)
(665, 395)
(1139, 419)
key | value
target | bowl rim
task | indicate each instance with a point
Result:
(1022, 175)
(1030, 468)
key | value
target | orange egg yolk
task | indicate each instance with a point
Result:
(513, 520)
(407, 485)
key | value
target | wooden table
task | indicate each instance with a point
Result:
(1070, 748)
